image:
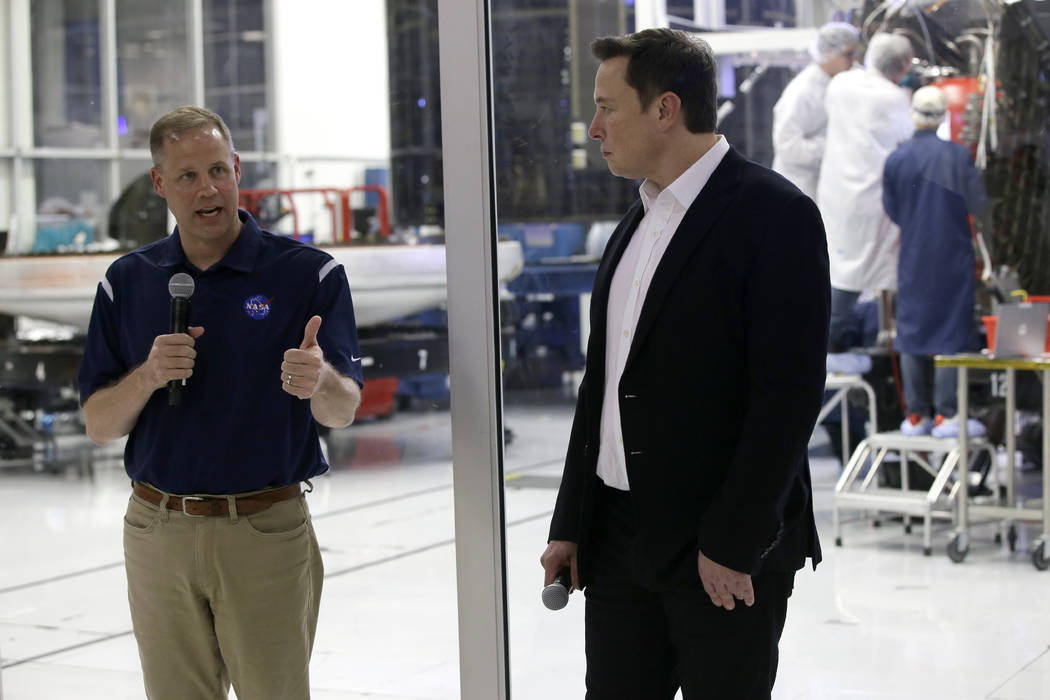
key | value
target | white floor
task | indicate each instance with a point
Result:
(877, 620)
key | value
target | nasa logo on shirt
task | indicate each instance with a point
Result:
(258, 306)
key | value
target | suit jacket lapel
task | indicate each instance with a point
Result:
(697, 223)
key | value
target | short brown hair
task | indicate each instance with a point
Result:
(183, 119)
(665, 60)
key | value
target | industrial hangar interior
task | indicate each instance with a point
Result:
(932, 576)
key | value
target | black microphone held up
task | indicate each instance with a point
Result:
(181, 288)
(556, 595)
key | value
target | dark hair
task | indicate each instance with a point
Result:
(665, 60)
(183, 119)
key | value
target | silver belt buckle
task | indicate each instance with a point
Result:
(185, 499)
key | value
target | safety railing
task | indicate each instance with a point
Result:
(336, 201)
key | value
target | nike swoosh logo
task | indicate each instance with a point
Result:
(355, 359)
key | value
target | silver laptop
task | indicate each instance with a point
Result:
(1020, 330)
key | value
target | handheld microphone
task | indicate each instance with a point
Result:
(556, 595)
(180, 286)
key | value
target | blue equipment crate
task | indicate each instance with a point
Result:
(541, 241)
(51, 237)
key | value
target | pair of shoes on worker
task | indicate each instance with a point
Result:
(914, 424)
(949, 427)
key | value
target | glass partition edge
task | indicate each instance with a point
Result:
(474, 350)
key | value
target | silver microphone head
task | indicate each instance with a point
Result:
(181, 285)
(555, 596)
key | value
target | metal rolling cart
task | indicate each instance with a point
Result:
(1008, 509)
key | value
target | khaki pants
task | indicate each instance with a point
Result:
(216, 600)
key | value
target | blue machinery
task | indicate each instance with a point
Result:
(544, 322)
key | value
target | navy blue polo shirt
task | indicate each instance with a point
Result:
(236, 429)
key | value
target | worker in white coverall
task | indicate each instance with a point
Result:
(799, 119)
(868, 117)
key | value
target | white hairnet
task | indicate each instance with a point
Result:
(889, 54)
(833, 39)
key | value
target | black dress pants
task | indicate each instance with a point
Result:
(644, 644)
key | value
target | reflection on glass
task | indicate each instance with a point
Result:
(555, 197)
(235, 70)
(257, 173)
(415, 113)
(152, 65)
(67, 96)
(548, 170)
(549, 180)
(71, 200)
(138, 215)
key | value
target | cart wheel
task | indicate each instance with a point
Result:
(998, 538)
(838, 541)
(954, 552)
(1041, 562)
(907, 529)
(927, 551)
(1011, 538)
(876, 523)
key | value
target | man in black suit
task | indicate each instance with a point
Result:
(685, 505)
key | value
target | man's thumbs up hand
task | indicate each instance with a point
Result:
(310, 334)
(304, 367)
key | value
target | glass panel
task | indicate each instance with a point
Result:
(258, 173)
(153, 73)
(556, 196)
(138, 215)
(71, 204)
(67, 96)
(235, 70)
(415, 126)
(383, 513)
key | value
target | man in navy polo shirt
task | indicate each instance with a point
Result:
(224, 572)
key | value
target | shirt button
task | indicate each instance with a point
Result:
(626, 334)
(637, 283)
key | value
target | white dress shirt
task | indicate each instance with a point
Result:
(664, 211)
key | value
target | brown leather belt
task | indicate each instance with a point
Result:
(200, 506)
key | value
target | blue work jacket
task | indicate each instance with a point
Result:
(929, 188)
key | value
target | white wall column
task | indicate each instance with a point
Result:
(811, 13)
(107, 34)
(195, 49)
(353, 120)
(21, 222)
(6, 109)
(709, 14)
(649, 14)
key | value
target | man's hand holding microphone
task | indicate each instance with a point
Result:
(560, 576)
(171, 358)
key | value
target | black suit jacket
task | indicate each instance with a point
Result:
(721, 389)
